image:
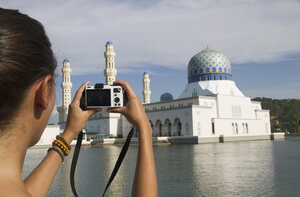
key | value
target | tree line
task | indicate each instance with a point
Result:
(285, 113)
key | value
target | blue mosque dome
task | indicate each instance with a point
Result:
(209, 65)
(66, 60)
(166, 97)
(109, 42)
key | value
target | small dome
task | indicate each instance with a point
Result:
(145, 73)
(209, 65)
(109, 42)
(166, 97)
(66, 60)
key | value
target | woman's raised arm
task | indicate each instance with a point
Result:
(145, 180)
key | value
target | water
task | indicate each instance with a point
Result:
(254, 168)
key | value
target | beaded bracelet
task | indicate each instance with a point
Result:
(64, 141)
(61, 146)
(56, 150)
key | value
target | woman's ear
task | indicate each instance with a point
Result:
(43, 91)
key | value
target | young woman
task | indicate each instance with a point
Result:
(27, 97)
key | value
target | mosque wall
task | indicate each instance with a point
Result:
(202, 121)
(172, 122)
(264, 115)
(234, 107)
(125, 126)
(49, 135)
(256, 105)
(178, 103)
(209, 102)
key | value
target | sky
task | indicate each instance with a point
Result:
(261, 38)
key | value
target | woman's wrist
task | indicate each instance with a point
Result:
(145, 130)
(68, 136)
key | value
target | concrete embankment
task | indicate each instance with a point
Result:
(196, 139)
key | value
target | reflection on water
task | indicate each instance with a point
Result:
(255, 168)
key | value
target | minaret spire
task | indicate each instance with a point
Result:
(110, 70)
(66, 86)
(146, 91)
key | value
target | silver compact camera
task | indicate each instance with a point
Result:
(100, 95)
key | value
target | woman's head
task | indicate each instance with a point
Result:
(25, 57)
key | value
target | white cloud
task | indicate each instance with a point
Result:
(166, 32)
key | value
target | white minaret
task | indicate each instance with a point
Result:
(110, 70)
(146, 91)
(66, 86)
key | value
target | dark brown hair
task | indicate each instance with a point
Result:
(25, 57)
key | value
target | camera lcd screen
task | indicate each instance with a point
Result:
(98, 97)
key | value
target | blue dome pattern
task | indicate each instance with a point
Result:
(209, 65)
(166, 97)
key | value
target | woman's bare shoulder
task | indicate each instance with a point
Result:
(12, 188)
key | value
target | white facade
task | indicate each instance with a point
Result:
(48, 136)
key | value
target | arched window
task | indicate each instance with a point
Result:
(177, 127)
(167, 128)
(225, 77)
(214, 77)
(207, 77)
(220, 77)
(236, 128)
(233, 129)
(158, 128)
(244, 129)
(247, 128)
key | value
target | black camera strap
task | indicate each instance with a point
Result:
(115, 170)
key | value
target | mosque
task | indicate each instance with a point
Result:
(210, 107)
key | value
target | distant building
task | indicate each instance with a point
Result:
(66, 86)
(210, 105)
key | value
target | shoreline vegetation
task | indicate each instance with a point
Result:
(284, 114)
(292, 134)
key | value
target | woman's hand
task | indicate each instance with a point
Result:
(134, 110)
(77, 117)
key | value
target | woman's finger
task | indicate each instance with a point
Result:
(116, 110)
(79, 92)
(93, 111)
(128, 89)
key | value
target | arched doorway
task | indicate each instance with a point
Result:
(167, 128)
(158, 128)
(177, 127)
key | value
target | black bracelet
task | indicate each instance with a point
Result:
(56, 150)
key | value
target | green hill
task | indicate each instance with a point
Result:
(285, 111)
